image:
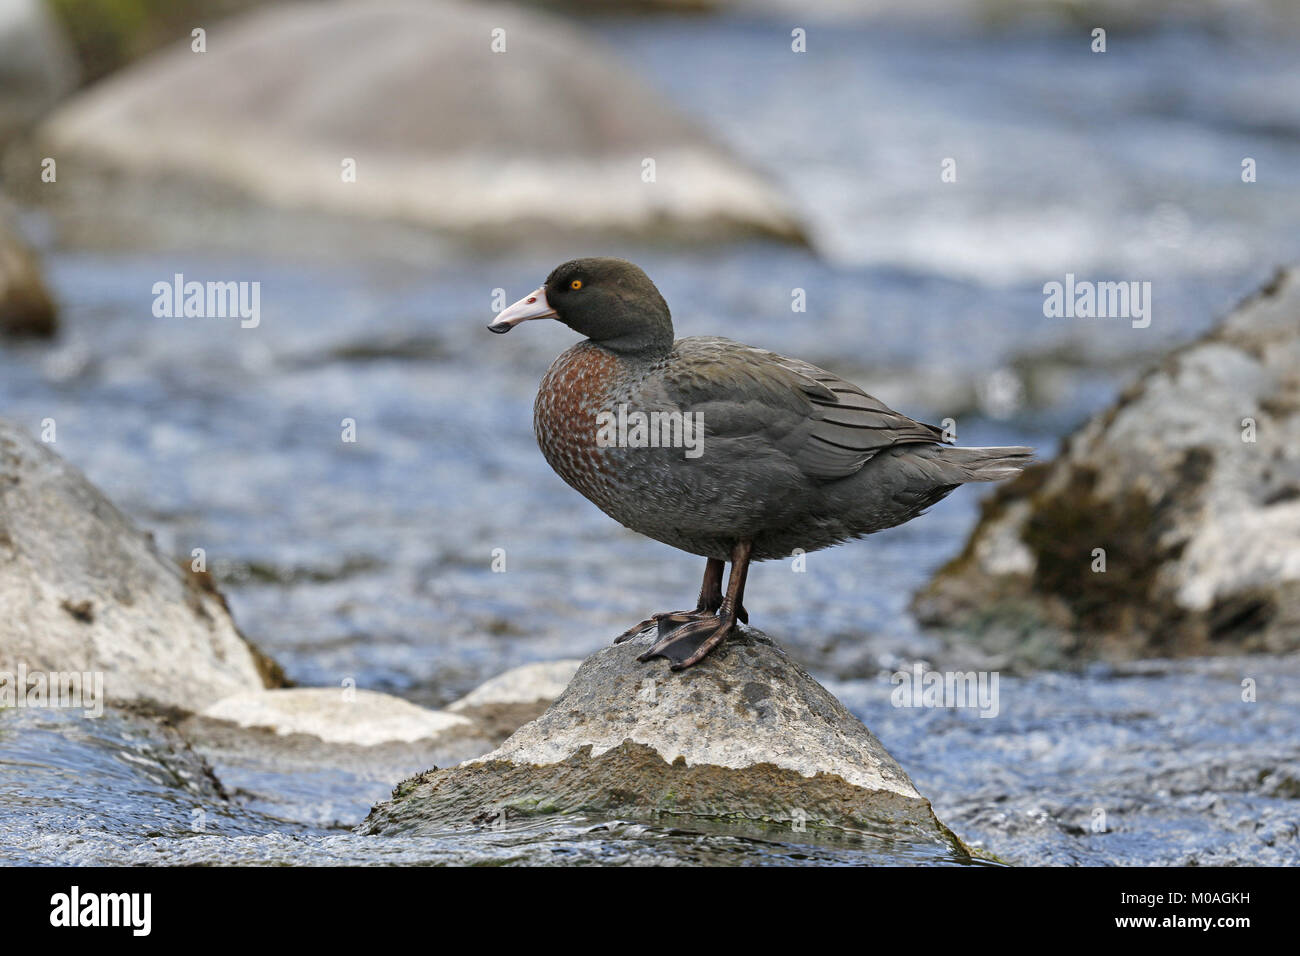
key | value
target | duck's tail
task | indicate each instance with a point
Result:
(987, 464)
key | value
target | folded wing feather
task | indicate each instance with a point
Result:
(828, 427)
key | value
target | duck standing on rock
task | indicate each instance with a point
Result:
(791, 456)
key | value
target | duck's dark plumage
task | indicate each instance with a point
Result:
(792, 456)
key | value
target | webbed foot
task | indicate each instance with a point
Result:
(687, 644)
(667, 621)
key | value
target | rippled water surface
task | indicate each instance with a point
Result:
(372, 560)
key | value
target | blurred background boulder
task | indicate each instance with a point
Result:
(37, 66)
(1170, 523)
(26, 308)
(468, 119)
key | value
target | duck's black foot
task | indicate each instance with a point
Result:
(689, 643)
(667, 621)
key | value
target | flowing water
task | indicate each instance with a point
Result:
(372, 560)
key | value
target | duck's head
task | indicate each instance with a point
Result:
(610, 301)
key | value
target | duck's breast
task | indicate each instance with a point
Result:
(579, 385)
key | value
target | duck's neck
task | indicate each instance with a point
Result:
(649, 345)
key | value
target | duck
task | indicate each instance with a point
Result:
(736, 454)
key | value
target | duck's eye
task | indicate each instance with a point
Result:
(575, 285)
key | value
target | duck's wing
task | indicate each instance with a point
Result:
(829, 428)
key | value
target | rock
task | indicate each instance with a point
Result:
(26, 309)
(746, 737)
(1189, 483)
(508, 701)
(323, 756)
(36, 64)
(335, 715)
(84, 590)
(549, 136)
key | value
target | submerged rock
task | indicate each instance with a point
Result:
(481, 120)
(1169, 525)
(324, 755)
(84, 792)
(508, 701)
(746, 737)
(82, 590)
(26, 308)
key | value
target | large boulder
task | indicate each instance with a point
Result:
(82, 590)
(36, 64)
(549, 135)
(744, 738)
(26, 308)
(1168, 525)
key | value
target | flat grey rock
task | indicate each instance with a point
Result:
(746, 738)
(365, 718)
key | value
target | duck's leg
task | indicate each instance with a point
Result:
(708, 604)
(692, 642)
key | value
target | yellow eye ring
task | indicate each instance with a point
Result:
(575, 285)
